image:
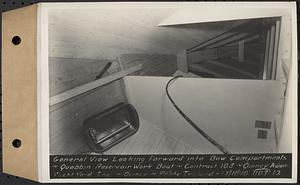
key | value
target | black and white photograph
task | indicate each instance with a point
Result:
(170, 90)
(144, 79)
(151, 92)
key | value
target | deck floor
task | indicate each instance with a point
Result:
(150, 139)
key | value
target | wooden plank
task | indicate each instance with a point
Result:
(67, 119)
(180, 147)
(62, 79)
(92, 85)
(169, 145)
(150, 139)
(79, 109)
(241, 49)
(251, 38)
(232, 39)
(202, 55)
(120, 63)
(195, 151)
(152, 64)
(225, 71)
(182, 64)
(227, 35)
(271, 52)
(276, 45)
(202, 69)
(233, 68)
(286, 70)
(155, 140)
(266, 56)
(211, 41)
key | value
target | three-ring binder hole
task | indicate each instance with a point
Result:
(16, 143)
(16, 40)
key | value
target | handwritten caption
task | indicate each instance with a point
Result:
(171, 166)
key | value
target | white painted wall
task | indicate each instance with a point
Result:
(225, 109)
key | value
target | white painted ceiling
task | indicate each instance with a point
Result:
(107, 33)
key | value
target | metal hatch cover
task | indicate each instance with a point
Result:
(113, 125)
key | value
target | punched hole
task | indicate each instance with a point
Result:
(16, 143)
(16, 40)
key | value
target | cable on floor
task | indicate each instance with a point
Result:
(193, 124)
